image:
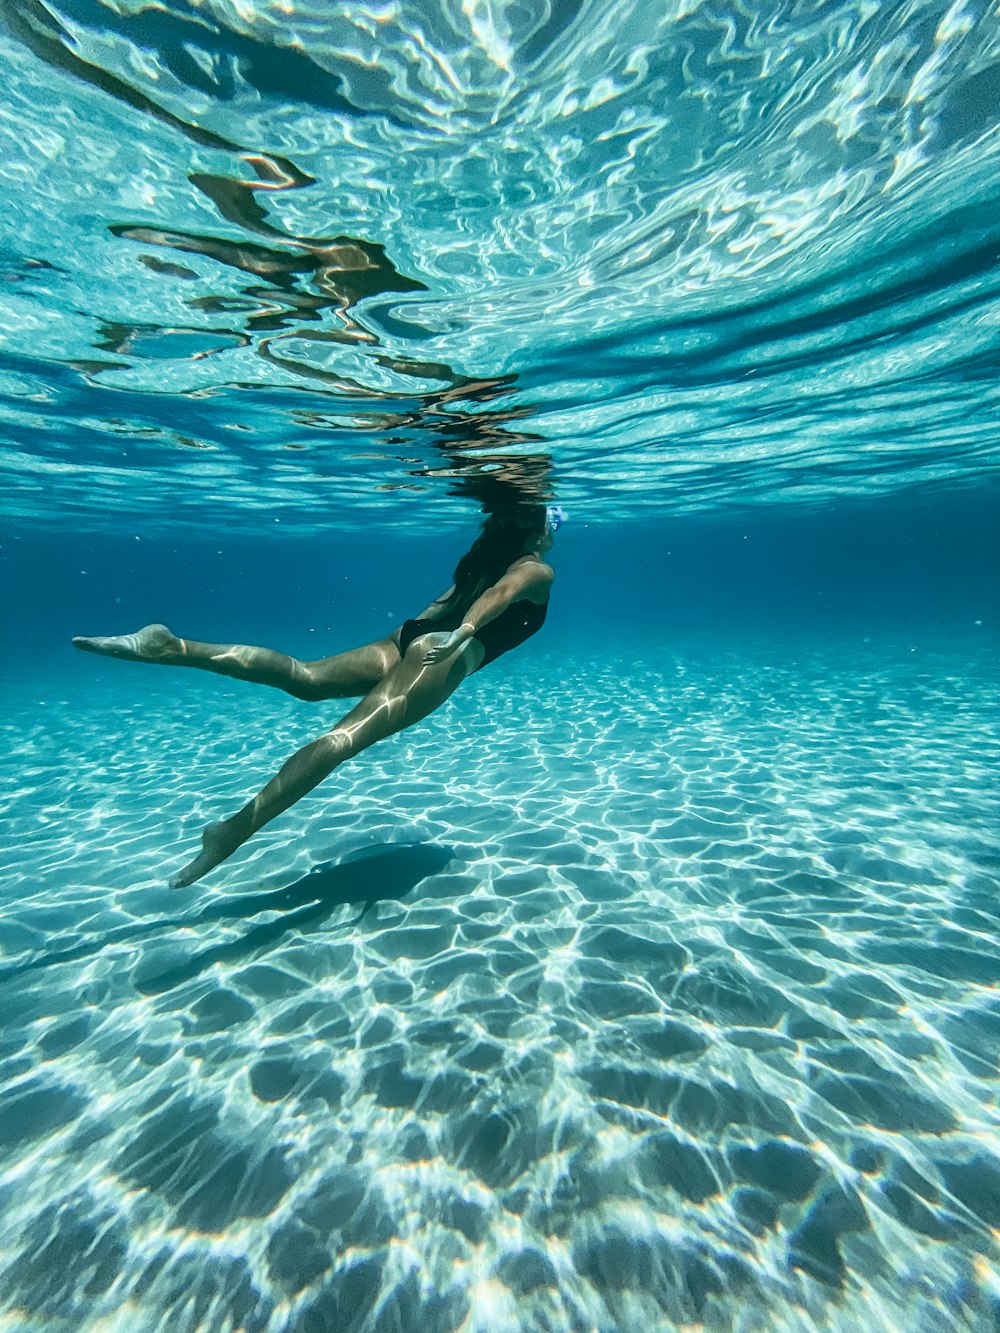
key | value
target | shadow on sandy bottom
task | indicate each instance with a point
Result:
(366, 877)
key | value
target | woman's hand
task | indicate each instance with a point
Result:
(443, 646)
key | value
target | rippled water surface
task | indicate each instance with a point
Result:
(652, 983)
(750, 249)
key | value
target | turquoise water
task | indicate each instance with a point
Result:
(652, 983)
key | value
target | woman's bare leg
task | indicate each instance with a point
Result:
(338, 677)
(408, 693)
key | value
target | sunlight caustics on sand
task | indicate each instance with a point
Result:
(694, 1021)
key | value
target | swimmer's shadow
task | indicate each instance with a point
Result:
(374, 875)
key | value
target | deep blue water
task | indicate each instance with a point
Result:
(652, 983)
(923, 566)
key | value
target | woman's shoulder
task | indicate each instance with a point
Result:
(532, 571)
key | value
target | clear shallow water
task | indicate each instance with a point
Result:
(654, 981)
(704, 1034)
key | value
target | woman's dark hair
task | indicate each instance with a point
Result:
(506, 534)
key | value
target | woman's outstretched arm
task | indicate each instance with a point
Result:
(527, 582)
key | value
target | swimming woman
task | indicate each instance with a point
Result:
(497, 600)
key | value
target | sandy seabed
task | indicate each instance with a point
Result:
(668, 997)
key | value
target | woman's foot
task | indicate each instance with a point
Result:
(155, 643)
(217, 842)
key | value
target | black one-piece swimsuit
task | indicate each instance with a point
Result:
(510, 629)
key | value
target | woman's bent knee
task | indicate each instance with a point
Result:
(308, 690)
(312, 684)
